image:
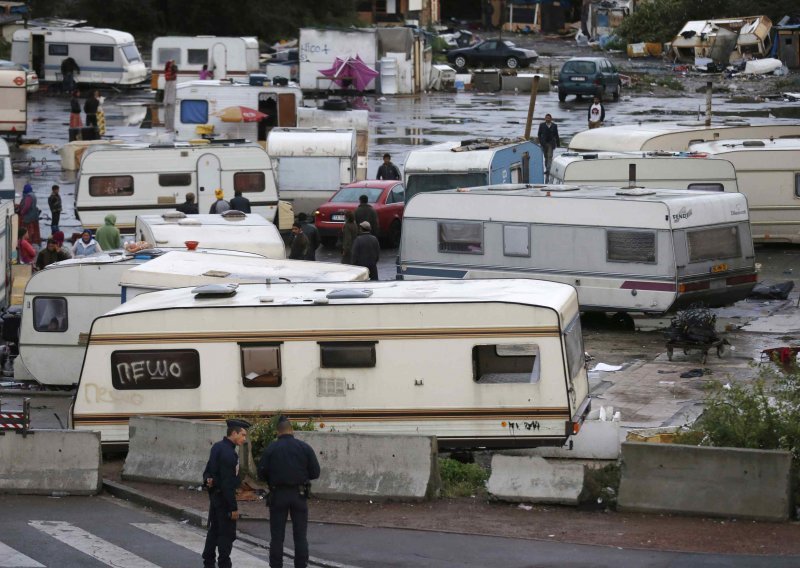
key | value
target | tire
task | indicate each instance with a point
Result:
(460, 62)
(562, 96)
(395, 233)
(512, 62)
(329, 242)
(615, 94)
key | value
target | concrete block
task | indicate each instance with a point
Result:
(47, 462)
(535, 480)
(373, 466)
(169, 450)
(597, 440)
(487, 80)
(523, 82)
(724, 482)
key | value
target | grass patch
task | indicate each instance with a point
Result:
(600, 487)
(462, 479)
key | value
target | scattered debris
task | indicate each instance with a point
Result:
(764, 290)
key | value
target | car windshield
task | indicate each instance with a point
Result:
(131, 53)
(420, 183)
(579, 67)
(351, 194)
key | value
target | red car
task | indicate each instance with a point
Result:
(386, 197)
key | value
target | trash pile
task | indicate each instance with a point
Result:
(693, 325)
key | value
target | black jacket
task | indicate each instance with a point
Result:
(549, 134)
(388, 171)
(223, 468)
(365, 212)
(54, 201)
(311, 233)
(299, 248)
(240, 203)
(288, 462)
(91, 105)
(366, 250)
(188, 208)
(74, 106)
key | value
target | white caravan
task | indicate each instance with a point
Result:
(199, 105)
(7, 242)
(625, 250)
(62, 300)
(104, 56)
(673, 136)
(312, 164)
(233, 230)
(670, 170)
(479, 363)
(132, 180)
(226, 57)
(7, 189)
(768, 173)
(330, 116)
(13, 103)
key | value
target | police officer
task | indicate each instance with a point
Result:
(221, 478)
(288, 465)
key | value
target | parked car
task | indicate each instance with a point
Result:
(493, 52)
(32, 83)
(386, 197)
(588, 76)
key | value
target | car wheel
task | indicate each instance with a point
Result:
(460, 61)
(395, 232)
(616, 93)
(512, 62)
(562, 96)
(329, 242)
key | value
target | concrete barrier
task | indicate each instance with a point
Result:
(535, 480)
(374, 466)
(726, 482)
(597, 440)
(170, 450)
(47, 462)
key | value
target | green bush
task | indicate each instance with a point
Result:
(264, 430)
(462, 479)
(601, 487)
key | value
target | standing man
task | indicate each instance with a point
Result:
(366, 250)
(239, 202)
(388, 170)
(108, 236)
(69, 68)
(548, 140)
(189, 206)
(221, 478)
(220, 205)
(365, 212)
(597, 113)
(299, 248)
(54, 201)
(288, 465)
(90, 108)
(311, 233)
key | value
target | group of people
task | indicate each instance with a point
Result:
(548, 136)
(91, 107)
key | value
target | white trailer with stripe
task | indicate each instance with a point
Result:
(625, 250)
(479, 363)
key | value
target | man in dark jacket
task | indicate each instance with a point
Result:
(221, 478)
(50, 254)
(90, 108)
(365, 212)
(54, 201)
(189, 206)
(388, 170)
(240, 203)
(68, 70)
(548, 140)
(311, 233)
(288, 465)
(299, 248)
(366, 250)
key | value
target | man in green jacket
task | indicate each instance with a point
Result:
(108, 235)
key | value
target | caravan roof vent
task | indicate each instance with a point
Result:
(345, 293)
(636, 191)
(189, 221)
(753, 144)
(233, 215)
(735, 121)
(559, 188)
(173, 216)
(215, 290)
(589, 156)
(691, 123)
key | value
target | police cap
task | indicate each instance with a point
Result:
(237, 423)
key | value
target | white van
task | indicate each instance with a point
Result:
(625, 250)
(671, 170)
(130, 180)
(104, 56)
(768, 173)
(233, 230)
(199, 105)
(476, 364)
(13, 104)
(62, 301)
(226, 57)
(311, 164)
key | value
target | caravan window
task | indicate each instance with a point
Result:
(347, 354)
(517, 240)
(503, 364)
(155, 369)
(50, 314)
(131, 53)
(460, 237)
(573, 341)
(261, 365)
(169, 53)
(194, 111)
(197, 56)
(419, 183)
(60, 49)
(101, 52)
(797, 185)
(110, 186)
(631, 246)
(174, 180)
(715, 243)
(249, 181)
(706, 187)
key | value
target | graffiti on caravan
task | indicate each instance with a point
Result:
(155, 369)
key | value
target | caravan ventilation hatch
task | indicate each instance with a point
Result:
(190, 222)
(173, 216)
(558, 188)
(233, 215)
(215, 290)
(345, 293)
(636, 191)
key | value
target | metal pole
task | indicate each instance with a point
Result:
(531, 106)
(709, 90)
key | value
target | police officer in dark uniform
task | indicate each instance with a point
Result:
(288, 465)
(221, 478)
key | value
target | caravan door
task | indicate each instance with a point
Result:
(219, 60)
(209, 178)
